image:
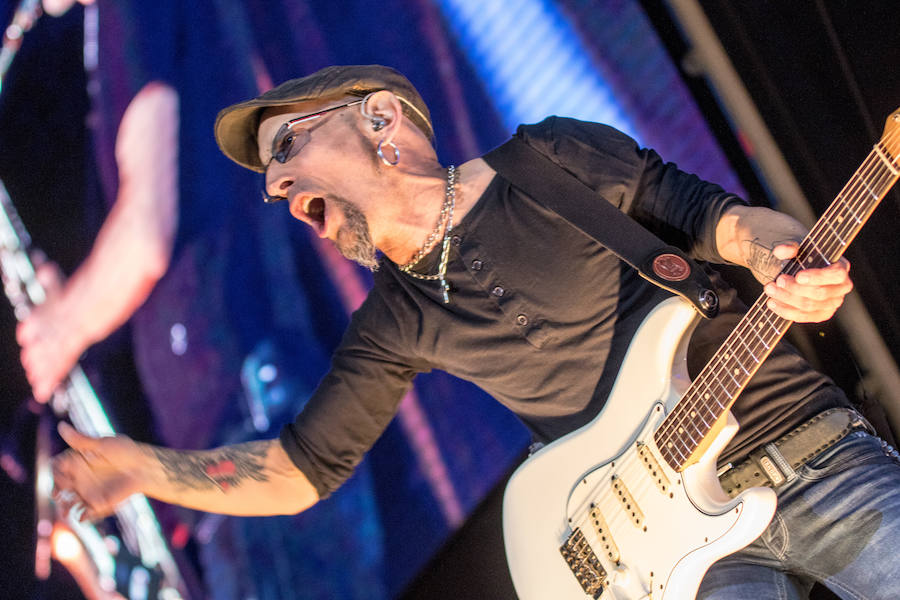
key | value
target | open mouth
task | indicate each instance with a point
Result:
(315, 210)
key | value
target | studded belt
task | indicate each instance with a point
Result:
(774, 464)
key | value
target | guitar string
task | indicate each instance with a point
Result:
(842, 235)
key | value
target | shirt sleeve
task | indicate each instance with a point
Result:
(680, 208)
(370, 372)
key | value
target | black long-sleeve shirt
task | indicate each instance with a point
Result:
(540, 314)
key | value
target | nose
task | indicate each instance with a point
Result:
(276, 186)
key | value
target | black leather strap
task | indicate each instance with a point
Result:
(552, 186)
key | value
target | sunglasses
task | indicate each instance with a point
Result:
(288, 141)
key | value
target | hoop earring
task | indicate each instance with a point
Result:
(382, 157)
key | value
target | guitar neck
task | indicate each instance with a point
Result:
(687, 431)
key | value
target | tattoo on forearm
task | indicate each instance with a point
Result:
(222, 468)
(764, 265)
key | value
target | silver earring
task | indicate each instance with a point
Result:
(382, 157)
(378, 124)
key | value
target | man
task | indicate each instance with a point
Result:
(481, 280)
(161, 263)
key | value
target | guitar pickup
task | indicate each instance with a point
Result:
(652, 465)
(620, 490)
(585, 565)
(601, 528)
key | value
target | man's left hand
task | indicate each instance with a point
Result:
(812, 295)
(50, 346)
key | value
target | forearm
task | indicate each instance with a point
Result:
(253, 478)
(133, 248)
(746, 236)
(115, 279)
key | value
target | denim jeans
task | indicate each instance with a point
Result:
(837, 523)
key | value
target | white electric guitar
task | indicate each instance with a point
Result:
(630, 506)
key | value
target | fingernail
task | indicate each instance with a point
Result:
(802, 278)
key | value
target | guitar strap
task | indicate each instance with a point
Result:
(563, 193)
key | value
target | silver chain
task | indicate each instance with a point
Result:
(446, 212)
(446, 216)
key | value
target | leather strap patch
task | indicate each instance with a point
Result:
(671, 267)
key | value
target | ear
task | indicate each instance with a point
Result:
(385, 114)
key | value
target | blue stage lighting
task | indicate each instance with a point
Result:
(532, 62)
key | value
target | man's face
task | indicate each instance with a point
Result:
(310, 161)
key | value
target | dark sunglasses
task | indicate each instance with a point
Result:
(288, 141)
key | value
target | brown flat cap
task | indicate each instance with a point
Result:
(237, 125)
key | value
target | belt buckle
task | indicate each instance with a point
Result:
(775, 466)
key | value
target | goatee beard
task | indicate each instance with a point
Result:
(354, 241)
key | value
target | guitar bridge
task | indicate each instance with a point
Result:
(584, 564)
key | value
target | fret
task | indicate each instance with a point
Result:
(873, 194)
(759, 333)
(836, 234)
(739, 369)
(695, 416)
(710, 398)
(733, 380)
(724, 389)
(771, 324)
(886, 160)
(811, 261)
(673, 445)
(682, 433)
(712, 412)
(878, 189)
(676, 449)
(855, 216)
(749, 349)
(687, 417)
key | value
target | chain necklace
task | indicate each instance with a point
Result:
(445, 221)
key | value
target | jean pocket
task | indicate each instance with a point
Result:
(856, 448)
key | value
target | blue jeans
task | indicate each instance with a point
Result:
(837, 523)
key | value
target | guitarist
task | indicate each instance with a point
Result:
(159, 266)
(479, 279)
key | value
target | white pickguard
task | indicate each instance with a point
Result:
(683, 530)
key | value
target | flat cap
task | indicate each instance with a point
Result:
(236, 126)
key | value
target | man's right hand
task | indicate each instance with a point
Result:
(95, 474)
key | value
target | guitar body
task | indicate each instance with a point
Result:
(630, 524)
